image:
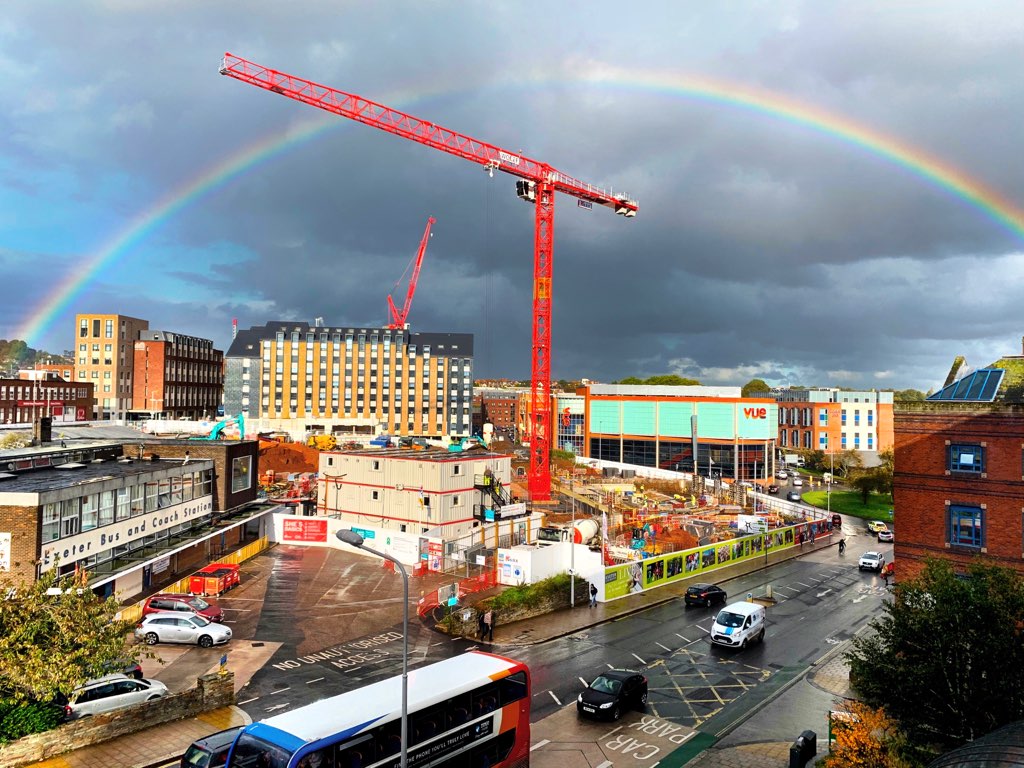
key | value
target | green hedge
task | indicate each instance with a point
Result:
(22, 718)
(532, 595)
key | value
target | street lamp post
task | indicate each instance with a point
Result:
(353, 538)
(572, 552)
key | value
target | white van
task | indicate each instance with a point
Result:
(738, 624)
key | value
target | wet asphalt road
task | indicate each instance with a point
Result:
(339, 624)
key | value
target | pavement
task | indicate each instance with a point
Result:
(761, 739)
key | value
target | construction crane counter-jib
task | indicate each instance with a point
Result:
(491, 157)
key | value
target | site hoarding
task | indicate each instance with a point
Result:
(637, 576)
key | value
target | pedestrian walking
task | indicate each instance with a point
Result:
(593, 596)
(489, 624)
(842, 546)
(481, 625)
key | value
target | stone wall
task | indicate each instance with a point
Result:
(210, 692)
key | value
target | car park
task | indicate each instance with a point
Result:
(877, 525)
(613, 692)
(174, 627)
(886, 535)
(738, 624)
(871, 561)
(210, 751)
(111, 692)
(704, 594)
(184, 603)
(793, 496)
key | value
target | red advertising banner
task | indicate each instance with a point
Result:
(305, 529)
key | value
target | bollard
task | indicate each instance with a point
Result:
(803, 749)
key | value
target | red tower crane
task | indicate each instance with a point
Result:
(538, 184)
(398, 318)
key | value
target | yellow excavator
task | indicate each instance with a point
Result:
(322, 442)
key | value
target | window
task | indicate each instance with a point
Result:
(375, 465)
(966, 458)
(842, 440)
(844, 418)
(457, 469)
(856, 418)
(823, 418)
(871, 418)
(375, 495)
(241, 473)
(966, 526)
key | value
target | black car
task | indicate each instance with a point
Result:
(704, 594)
(773, 488)
(612, 693)
(210, 751)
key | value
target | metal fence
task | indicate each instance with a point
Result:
(133, 612)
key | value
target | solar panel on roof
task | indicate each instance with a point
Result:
(978, 387)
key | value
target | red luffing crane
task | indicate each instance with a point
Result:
(398, 318)
(537, 184)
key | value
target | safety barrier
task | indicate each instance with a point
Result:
(133, 613)
(467, 586)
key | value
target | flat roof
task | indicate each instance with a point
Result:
(55, 478)
(424, 454)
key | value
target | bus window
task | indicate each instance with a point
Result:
(250, 752)
(322, 758)
(356, 754)
(426, 724)
(512, 688)
(388, 739)
(485, 700)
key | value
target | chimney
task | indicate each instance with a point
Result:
(42, 430)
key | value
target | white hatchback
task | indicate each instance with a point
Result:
(111, 692)
(798, 481)
(177, 627)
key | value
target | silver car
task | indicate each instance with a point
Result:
(176, 627)
(111, 692)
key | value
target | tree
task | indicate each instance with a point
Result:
(908, 395)
(56, 633)
(884, 471)
(845, 461)
(866, 737)
(866, 483)
(666, 380)
(628, 380)
(946, 658)
(754, 387)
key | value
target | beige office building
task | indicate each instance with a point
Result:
(104, 357)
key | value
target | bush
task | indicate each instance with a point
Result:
(21, 718)
(532, 595)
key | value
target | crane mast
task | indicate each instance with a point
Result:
(398, 319)
(538, 184)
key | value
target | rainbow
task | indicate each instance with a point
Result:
(715, 91)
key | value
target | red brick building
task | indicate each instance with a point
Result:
(41, 393)
(176, 376)
(958, 488)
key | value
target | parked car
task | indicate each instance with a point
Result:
(613, 692)
(110, 692)
(184, 603)
(704, 594)
(885, 535)
(871, 561)
(773, 488)
(210, 751)
(877, 525)
(793, 496)
(175, 627)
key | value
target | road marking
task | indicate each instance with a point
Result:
(822, 594)
(248, 701)
(277, 706)
(639, 659)
(317, 680)
(666, 647)
(585, 683)
(540, 744)
(684, 639)
(608, 763)
(807, 586)
(609, 665)
(279, 690)
(555, 698)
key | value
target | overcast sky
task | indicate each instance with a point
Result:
(862, 246)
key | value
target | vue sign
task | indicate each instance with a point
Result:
(755, 413)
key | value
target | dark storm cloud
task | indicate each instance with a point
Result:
(762, 248)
